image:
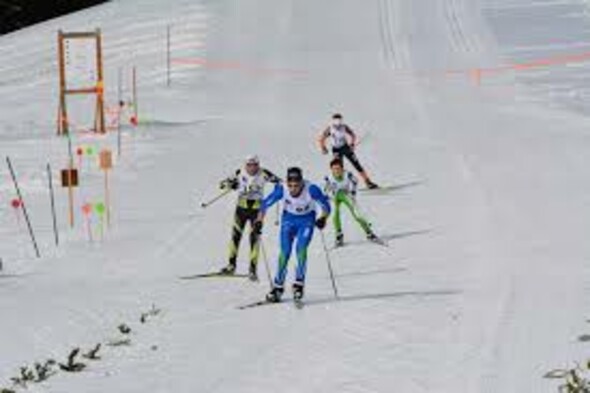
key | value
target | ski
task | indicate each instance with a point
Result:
(213, 275)
(378, 190)
(258, 303)
(378, 241)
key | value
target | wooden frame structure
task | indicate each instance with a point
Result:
(97, 89)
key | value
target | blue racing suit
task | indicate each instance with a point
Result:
(297, 223)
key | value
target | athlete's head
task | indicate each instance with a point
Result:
(336, 119)
(294, 181)
(337, 167)
(252, 164)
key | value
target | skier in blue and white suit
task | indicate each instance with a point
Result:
(300, 199)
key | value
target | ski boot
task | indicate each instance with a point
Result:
(228, 270)
(252, 272)
(297, 291)
(339, 240)
(371, 185)
(298, 294)
(375, 239)
(372, 237)
(274, 296)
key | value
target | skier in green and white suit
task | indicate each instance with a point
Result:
(341, 186)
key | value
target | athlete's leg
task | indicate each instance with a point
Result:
(356, 214)
(304, 236)
(240, 217)
(336, 219)
(254, 238)
(288, 233)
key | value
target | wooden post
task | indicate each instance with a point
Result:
(70, 185)
(106, 164)
(107, 198)
(62, 119)
(476, 76)
(100, 127)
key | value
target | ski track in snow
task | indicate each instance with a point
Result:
(483, 286)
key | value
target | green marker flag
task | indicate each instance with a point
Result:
(100, 208)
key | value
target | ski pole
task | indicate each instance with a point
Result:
(52, 199)
(265, 259)
(24, 207)
(213, 200)
(327, 253)
(277, 214)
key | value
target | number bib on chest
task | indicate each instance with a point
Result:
(300, 205)
(338, 135)
(251, 187)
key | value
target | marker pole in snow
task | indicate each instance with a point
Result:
(135, 105)
(23, 206)
(87, 209)
(206, 204)
(120, 104)
(52, 197)
(329, 262)
(106, 164)
(168, 81)
(265, 260)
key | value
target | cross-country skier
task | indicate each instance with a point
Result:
(343, 145)
(300, 199)
(341, 185)
(249, 182)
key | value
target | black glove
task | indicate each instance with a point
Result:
(320, 223)
(257, 227)
(229, 183)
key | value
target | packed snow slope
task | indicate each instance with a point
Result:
(484, 285)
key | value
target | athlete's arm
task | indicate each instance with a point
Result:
(275, 196)
(230, 182)
(351, 134)
(327, 186)
(271, 177)
(354, 184)
(321, 198)
(324, 135)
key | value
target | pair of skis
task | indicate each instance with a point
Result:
(297, 302)
(377, 241)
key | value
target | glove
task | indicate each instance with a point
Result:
(320, 223)
(257, 227)
(324, 150)
(229, 183)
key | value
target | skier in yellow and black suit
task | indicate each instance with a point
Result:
(249, 182)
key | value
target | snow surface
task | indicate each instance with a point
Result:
(484, 287)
